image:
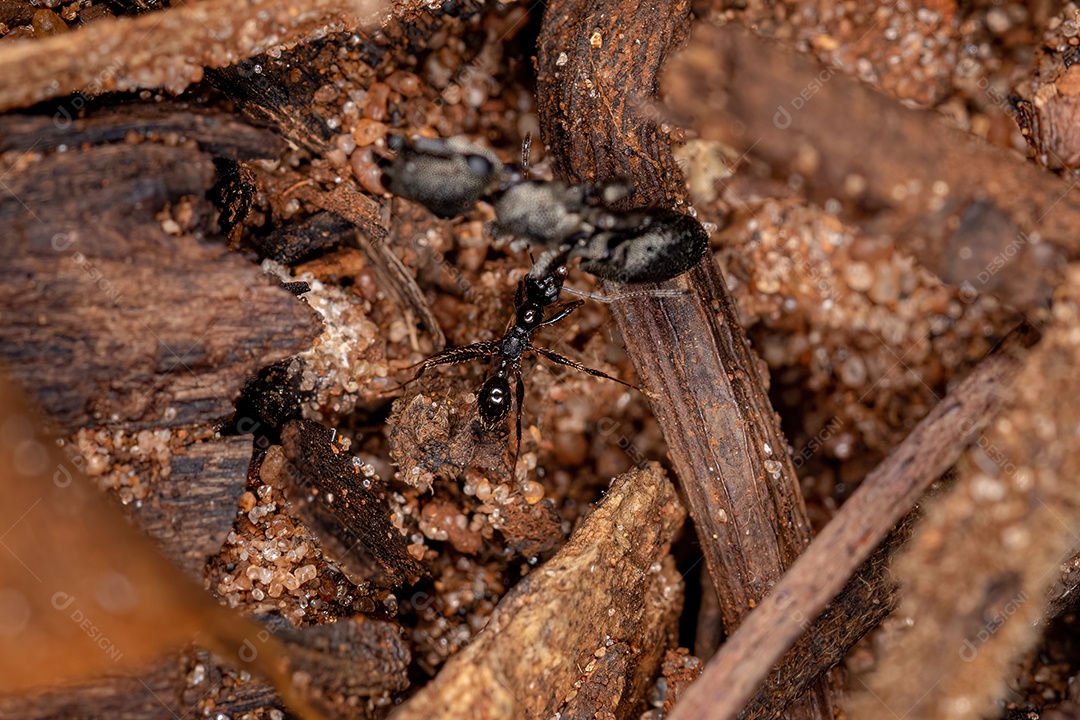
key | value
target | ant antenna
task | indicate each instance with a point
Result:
(526, 150)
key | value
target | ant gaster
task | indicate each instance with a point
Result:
(534, 296)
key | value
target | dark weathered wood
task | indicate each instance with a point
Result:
(191, 511)
(111, 320)
(598, 63)
(351, 663)
(612, 589)
(337, 501)
(89, 593)
(158, 690)
(1065, 594)
(217, 133)
(1049, 121)
(280, 94)
(349, 667)
(968, 211)
(886, 495)
(291, 243)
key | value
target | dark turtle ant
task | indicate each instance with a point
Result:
(567, 221)
(534, 296)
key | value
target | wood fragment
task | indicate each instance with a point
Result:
(278, 93)
(113, 320)
(167, 49)
(980, 217)
(689, 351)
(976, 573)
(373, 219)
(1048, 120)
(334, 498)
(157, 690)
(612, 589)
(1065, 594)
(191, 510)
(886, 495)
(218, 134)
(292, 243)
(348, 668)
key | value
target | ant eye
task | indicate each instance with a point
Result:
(479, 165)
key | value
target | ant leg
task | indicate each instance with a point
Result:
(453, 356)
(520, 396)
(450, 356)
(564, 310)
(563, 360)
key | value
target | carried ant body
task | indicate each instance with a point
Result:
(534, 297)
(567, 221)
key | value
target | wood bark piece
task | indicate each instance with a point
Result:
(975, 575)
(610, 591)
(175, 684)
(600, 60)
(191, 511)
(884, 497)
(978, 216)
(291, 243)
(1048, 120)
(348, 669)
(168, 48)
(219, 134)
(1065, 594)
(111, 320)
(337, 501)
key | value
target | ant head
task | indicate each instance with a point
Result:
(543, 290)
(494, 401)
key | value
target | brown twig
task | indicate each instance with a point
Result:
(600, 60)
(975, 575)
(884, 497)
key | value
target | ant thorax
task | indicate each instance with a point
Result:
(548, 214)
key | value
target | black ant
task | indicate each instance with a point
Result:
(568, 221)
(534, 296)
